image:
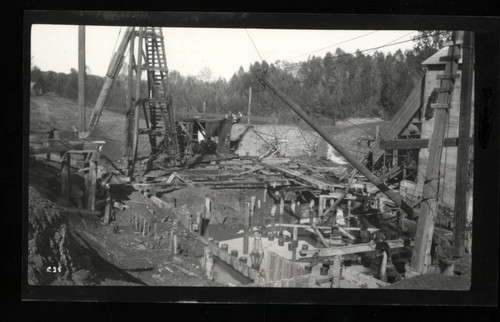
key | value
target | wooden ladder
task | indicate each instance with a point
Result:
(162, 133)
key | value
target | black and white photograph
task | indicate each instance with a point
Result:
(298, 158)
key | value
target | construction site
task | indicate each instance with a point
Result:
(222, 202)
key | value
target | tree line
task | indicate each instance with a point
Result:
(335, 86)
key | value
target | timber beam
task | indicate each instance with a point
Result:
(409, 144)
(351, 249)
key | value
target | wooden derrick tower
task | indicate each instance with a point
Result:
(156, 105)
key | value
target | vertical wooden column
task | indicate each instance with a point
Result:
(336, 271)
(265, 195)
(109, 207)
(249, 104)
(246, 232)
(65, 177)
(92, 180)
(322, 203)
(138, 74)
(129, 114)
(463, 142)
(348, 223)
(273, 213)
(282, 209)
(252, 209)
(82, 127)
(206, 219)
(295, 242)
(428, 210)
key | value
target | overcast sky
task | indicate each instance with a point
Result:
(189, 50)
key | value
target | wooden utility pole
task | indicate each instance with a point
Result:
(393, 195)
(81, 79)
(249, 104)
(421, 259)
(461, 195)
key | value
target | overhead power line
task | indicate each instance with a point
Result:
(342, 42)
(293, 65)
(258, 53)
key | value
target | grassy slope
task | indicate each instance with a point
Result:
(52, 111)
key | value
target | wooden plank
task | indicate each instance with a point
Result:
(448, 76)
(421, 259)
(54, 147)
(462, 177)
(449, 58)
(361, 279)
(299, 176)
(351, 249)
(440, 105)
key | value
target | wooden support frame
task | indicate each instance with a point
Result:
(393, 195)
(428, 209)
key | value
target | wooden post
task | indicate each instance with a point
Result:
(265, 195)
(81, 79)
(127, 148)
(258, 204)
(295, 242)
(171, 241)
(175, 244)
(322, 201)
(136, 222)
(138, 73)
(348, 213)
(428, 208)
(246, 228)
(383, 267)
(204, 109)
(206, 218)
(282, 208)
(109, 206)
(273, 212)
(144, 227)
(65, 177)
(92, 180)
(463, 143)
(311, 212)
(336, 271)
(249, 104)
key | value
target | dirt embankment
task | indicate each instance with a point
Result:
(58, 255)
